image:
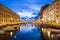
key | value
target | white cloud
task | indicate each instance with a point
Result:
(27, 10)
(34, 7)
(26, 14)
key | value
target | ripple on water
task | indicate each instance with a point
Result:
(27, 32)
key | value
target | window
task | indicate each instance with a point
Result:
(56, 4)
(56, 15)
(56, 7)
(57, 11)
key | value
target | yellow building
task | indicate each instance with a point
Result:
(7, 16)
(51, 13)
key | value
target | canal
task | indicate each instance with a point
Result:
(27, 32)
(30, 32)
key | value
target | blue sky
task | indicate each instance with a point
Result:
(28, 10)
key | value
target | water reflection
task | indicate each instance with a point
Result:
(27, 32)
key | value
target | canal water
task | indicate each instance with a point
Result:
(27, 32)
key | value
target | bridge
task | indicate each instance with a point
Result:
(19, 23)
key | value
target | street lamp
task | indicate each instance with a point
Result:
(48, 33)
(11, 19)
(42, 29)
(11, 33)
(56, 20)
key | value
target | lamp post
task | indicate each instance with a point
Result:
(11, 19)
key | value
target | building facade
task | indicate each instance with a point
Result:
(7, 16)
(51, 13)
